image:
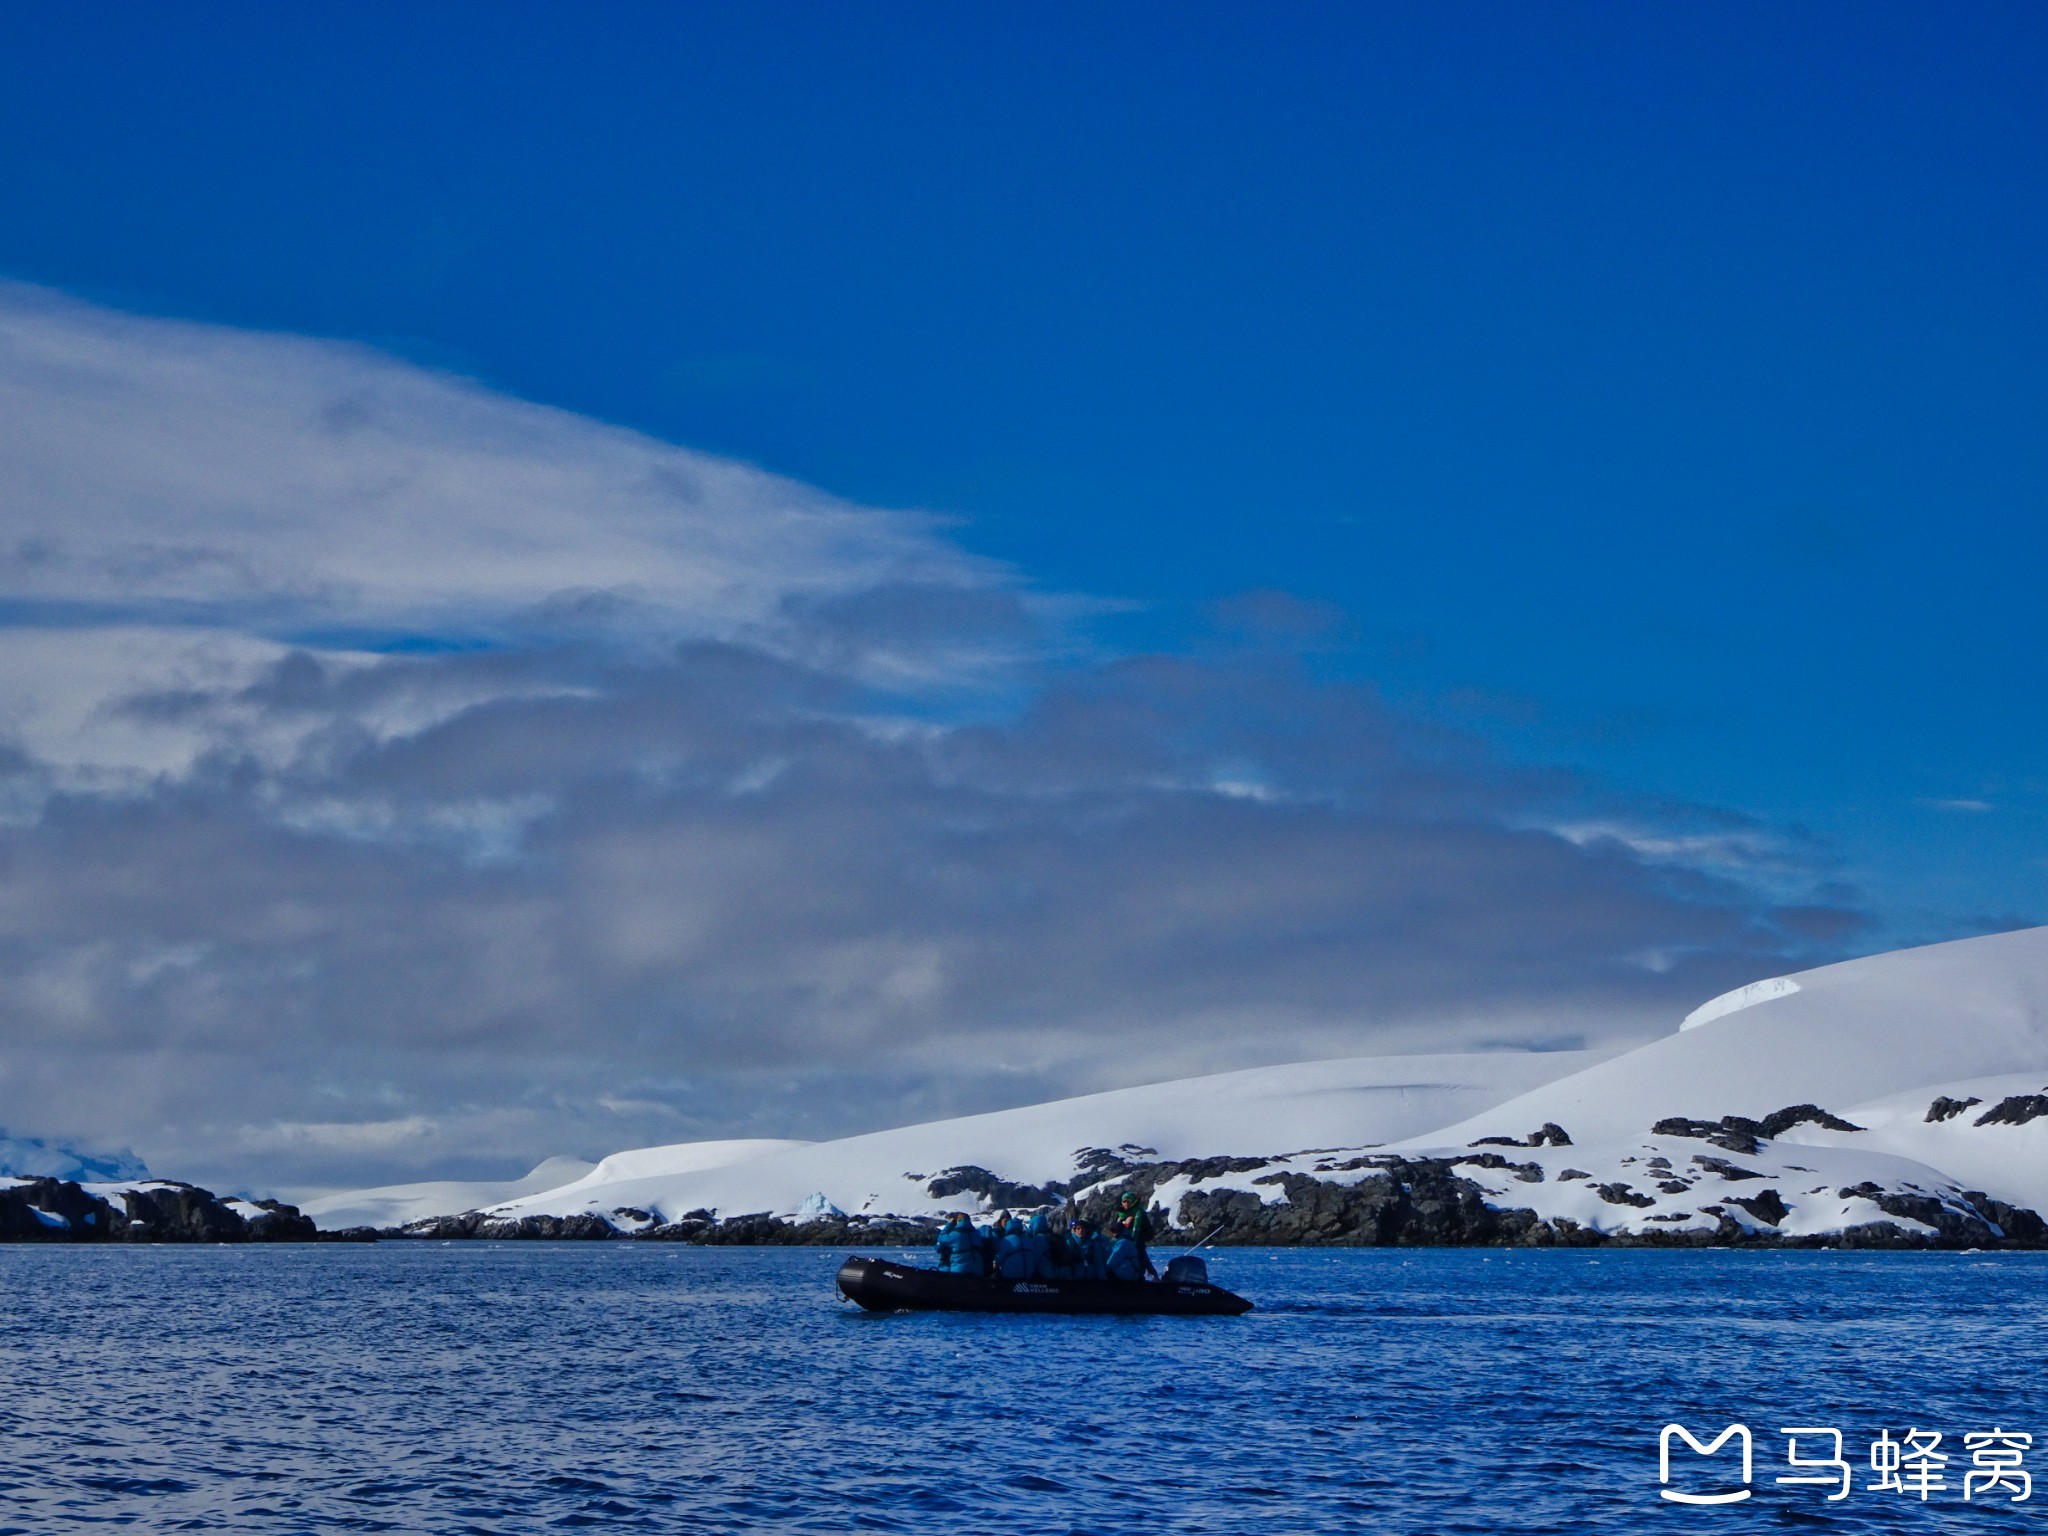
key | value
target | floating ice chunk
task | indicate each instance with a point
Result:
(816, 1208)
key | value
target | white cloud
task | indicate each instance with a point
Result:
(338, 1135)
(152, 464)
(183, 503)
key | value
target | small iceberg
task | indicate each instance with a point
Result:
(816, 1208)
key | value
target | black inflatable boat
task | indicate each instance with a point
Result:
(881, 1286)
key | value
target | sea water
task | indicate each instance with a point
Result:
(524, 1387)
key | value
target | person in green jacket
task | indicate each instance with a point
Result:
(1131, 1211)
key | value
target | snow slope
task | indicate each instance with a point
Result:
(2007, 1161)
(1258, 1111)
(1854, 1032)
(393, 1205)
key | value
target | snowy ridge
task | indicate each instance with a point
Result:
(1903, 1093)
(1741, 998)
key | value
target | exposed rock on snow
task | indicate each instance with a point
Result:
(2018, 1109)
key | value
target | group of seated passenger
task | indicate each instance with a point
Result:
(1011, 1248)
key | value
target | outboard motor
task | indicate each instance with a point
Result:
(1186, 1270)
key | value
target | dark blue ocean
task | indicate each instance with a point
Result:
(523, 1387)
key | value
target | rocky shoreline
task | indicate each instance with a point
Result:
(1364, 1199)
(1401, 1202)
(49, 1210)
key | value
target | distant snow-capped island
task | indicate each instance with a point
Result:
(1900, 1099)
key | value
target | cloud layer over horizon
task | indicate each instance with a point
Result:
(399, 778)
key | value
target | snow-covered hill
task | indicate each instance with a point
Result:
(1262, 1110)
(396, 1204)
(1850, 1033)
(1925, 1072)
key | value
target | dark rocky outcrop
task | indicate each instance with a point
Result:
(2015, 1223)
(1403, 1203)
(1779, 1121)
(1765, 1205)
(1739, 1133)
(758, 1229)
(829, 1232)
(1731, 1137)
(1622, 1194)
(1946, 1108)
(180, 1213)
(2017, 1110)
(1958, 1226)
(995, 1190)
(1549, 1134)
(160, 1211)
(1528, 1173)
(584, 1226)
(1733, 1172)
(283, 1223)
(54, 1211)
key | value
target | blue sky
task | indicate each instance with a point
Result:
(1662, 383)
(1652, 392)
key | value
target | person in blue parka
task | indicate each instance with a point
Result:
(988, 1238)
(959, 1250)
(1013, 1254)
(1038, 1240)
(1126, 1259)
(1091, 1251)
(1060, 1248)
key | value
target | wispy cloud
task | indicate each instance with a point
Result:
(274, 484)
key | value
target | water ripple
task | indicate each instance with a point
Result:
(492, 1389)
